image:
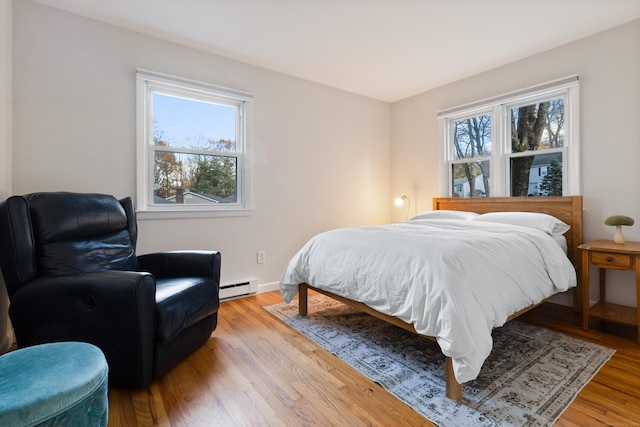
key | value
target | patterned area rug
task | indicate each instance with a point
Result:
(529, 379)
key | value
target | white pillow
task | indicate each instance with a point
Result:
(445, 214)
(547, 223)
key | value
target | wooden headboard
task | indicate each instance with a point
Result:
(567, 209)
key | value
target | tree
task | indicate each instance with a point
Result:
(551, 184)
(167, 168)
(527, 126)
(211, 174)
(555, 123)
(167, 172)
(472, 138)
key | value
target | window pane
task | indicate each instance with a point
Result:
(472, 137)
(194, 179)
(187, 123)
(537, 126)
(539, 175)
(471, 179)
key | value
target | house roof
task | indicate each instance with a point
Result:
(202, 197)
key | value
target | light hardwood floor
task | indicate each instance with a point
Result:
(256, 371)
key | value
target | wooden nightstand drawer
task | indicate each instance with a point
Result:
(611, 260)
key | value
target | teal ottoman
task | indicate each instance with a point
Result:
(57, 384)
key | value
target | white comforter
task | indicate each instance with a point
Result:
(451, 279)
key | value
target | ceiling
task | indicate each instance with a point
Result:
(384, 49)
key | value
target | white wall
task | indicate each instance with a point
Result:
(5, 96)
(321, 156)
(5, 141)
(608, 64)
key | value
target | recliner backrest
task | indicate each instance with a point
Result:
(61, 233)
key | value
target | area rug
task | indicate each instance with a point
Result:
(530, 378)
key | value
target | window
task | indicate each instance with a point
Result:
(520, 144)
(192, 147)
(471, 156)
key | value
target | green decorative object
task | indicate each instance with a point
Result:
(618, 221)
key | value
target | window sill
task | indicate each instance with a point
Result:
(190, 213)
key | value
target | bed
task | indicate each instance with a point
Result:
(427, 275)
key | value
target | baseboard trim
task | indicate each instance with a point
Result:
(268, 287)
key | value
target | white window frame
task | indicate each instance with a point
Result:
(499, 107)
(150, 82)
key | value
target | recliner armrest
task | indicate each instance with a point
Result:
(104, 296)
(173, 264)
(114, 310)
(135, 287)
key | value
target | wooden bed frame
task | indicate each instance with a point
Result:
(567, 209)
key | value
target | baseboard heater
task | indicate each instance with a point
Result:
(237, 290)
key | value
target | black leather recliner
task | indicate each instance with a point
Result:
(72, 274)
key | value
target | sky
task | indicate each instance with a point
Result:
(183, 120)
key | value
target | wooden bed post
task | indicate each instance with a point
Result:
(302, 299)
(454, 388)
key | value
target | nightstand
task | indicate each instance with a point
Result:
(605, 254)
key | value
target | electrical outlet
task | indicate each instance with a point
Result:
(261, 257)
